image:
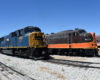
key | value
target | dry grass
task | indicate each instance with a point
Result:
(44, 69)
(68, 58)
(53, 72)
(61, 76)
(17, 63)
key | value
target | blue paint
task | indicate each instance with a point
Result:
(10, 41)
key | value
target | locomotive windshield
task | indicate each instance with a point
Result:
(82, 31)
(37, 29)
(29, 30)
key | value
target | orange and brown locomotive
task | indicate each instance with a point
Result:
(72, 42)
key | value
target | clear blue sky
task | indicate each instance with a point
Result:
(49, 15)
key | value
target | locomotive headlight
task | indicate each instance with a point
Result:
(87, 39)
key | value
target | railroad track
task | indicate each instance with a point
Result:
(7, 73)
(81, 64)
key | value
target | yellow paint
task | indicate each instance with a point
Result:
(33, 41)
(21, 37)
(40, 46)
(13, 47)
(90, 48)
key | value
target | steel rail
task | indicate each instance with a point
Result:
(7, 68)
(73, 63)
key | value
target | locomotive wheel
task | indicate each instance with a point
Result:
(65, 53)
(74, 54)
(13, 52)
(58, 53)
(26, 55)
(80, 54)
(71, 53)
(89, 55)
(92, 55)
(35, 55)
(97, 54)
(83, 54)
(2, 52)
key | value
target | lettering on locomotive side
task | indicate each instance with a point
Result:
(21, 37)
(87, 39)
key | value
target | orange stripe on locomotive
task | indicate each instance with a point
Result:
(74, 45)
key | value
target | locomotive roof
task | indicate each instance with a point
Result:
(23, 28)
(28, 27)
(31, 27)
(66, 31)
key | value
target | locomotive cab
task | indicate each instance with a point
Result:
(88, 42)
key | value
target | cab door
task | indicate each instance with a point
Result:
(69, 40)
(74, 40)
(20, 38)
(14, 39)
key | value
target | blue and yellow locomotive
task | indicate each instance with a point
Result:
(26, 42)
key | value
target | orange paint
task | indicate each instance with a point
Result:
(73, 45)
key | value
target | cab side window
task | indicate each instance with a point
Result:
(60, 36)
(20, 32)
(13, 34)
(69, 34)
(2, 39)
(75, 34)
(66, 35)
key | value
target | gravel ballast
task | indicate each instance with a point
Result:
(48, 71)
